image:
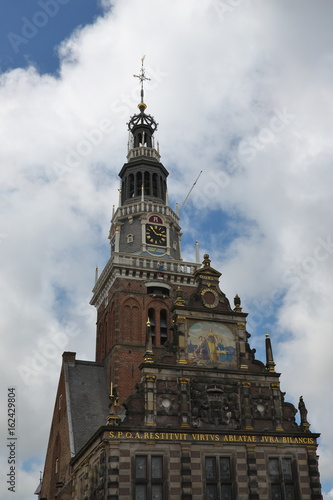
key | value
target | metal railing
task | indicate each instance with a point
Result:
(143, 151)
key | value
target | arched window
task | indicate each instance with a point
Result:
(146, 182)
(152, 317)
(161, 188)
(131, 321)
(163, 327)
(155, 185)
(138, 183)
(159, 325)
(131, 185)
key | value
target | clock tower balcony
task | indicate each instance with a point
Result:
(143, 151)
(122, 265)
(139, 207)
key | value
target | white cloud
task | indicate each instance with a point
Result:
(216, 80)
(328, 495)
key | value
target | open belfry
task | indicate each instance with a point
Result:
(175, 405)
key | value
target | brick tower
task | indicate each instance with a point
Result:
(145, 267)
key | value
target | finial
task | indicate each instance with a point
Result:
(148, 355)
(180, 302)
(237, 302)
(206, 261)
(142, 77)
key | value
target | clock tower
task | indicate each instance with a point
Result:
(144, 224)
(140, 281)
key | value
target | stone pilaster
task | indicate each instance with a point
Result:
(252, 472)
(277, 406)
(150, 400)
(246, 405)
(184, 402)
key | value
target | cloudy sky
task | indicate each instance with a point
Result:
(242, 91)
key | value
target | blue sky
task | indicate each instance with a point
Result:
(250, 108)
(31, 30)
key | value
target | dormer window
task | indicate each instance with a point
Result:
(158, 290)
(130, 238)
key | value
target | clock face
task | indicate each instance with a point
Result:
(156, 235)
(210, 297)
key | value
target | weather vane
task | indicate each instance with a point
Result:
(142, 77)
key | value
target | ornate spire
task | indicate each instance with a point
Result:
(237, 302)
(142, 126)
(142, 77)
(143, 167)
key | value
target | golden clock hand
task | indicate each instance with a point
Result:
(155, 232)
